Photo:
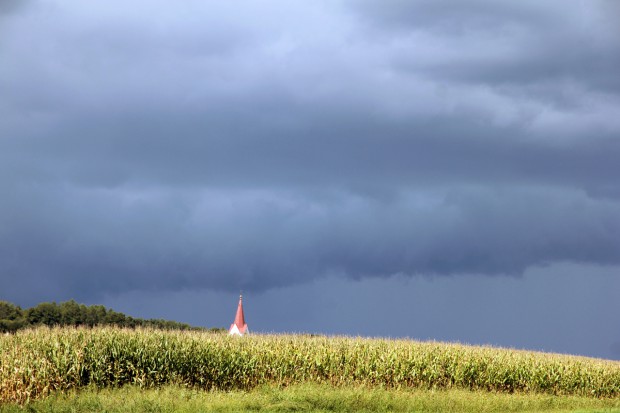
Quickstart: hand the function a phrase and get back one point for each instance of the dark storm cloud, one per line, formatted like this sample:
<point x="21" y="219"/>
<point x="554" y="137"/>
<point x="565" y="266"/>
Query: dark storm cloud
<point x="504" y="43"/>
<point x="336" y="149"/>
<point x="452" y="17"/>
<point x="101" y="241"/>
<point x="209" y="147"/>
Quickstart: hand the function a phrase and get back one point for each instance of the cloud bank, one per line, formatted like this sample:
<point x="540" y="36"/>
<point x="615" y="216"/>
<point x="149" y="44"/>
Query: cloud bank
<point x="157" y="146"/>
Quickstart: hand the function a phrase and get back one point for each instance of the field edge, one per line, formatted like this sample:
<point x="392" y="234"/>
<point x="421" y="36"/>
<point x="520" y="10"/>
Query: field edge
<point x="307" y="397"/>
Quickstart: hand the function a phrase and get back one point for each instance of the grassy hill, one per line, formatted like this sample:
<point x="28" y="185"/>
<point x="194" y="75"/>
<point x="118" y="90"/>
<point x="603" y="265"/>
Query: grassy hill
<point x="38" y="362"/>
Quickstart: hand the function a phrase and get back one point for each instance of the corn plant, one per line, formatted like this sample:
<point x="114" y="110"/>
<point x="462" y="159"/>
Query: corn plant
<point x="34" y="363"/>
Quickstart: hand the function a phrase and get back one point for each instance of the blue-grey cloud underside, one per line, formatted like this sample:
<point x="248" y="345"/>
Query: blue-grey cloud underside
<point x="206" y="147"/>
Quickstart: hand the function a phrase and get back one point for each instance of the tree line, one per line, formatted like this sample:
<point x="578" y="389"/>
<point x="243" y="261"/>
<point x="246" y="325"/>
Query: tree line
<point x="70" y="313"/>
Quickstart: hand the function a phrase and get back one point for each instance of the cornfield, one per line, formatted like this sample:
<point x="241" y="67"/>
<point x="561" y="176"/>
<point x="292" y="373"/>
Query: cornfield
<point x="34" y="363"/>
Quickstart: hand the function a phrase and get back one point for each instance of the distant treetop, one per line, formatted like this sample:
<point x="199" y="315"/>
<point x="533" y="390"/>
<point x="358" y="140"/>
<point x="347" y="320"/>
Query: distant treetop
<point x="70" y="313"/>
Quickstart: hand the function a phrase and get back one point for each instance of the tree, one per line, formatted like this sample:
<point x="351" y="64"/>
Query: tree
<point x="10" y="311"/>
<point x="44" y="313"/>
<point x="72" y="313"/>
<point x="114" y="318"/>
<point x="95" y="315"/>
<point x="11" y="317"/>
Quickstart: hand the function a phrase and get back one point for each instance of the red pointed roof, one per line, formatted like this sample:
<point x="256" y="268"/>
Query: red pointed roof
<point x="239" y="319"/>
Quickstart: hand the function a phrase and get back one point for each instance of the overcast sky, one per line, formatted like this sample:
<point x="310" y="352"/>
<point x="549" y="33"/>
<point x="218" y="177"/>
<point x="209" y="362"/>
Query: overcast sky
<point x="434" y="169"/>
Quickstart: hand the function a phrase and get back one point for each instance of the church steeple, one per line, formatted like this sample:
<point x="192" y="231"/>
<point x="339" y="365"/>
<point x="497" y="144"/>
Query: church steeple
<point x="239" y="327"/>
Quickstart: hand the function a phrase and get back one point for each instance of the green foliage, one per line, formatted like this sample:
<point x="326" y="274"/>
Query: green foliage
<point x="95" y="315"/>
<point x="307" y="398"/>
<point x="70" y="313"/>
<point x="11" y="317"/>
<point x="10" y="311"/>
<point x="11" y="326"/>
<point x="34" y="363"/>
<point x="44" y="313"/>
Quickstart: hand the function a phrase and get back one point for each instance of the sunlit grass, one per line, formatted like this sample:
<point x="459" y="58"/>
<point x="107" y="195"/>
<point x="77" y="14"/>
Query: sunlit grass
<point x="307" y="398"/>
